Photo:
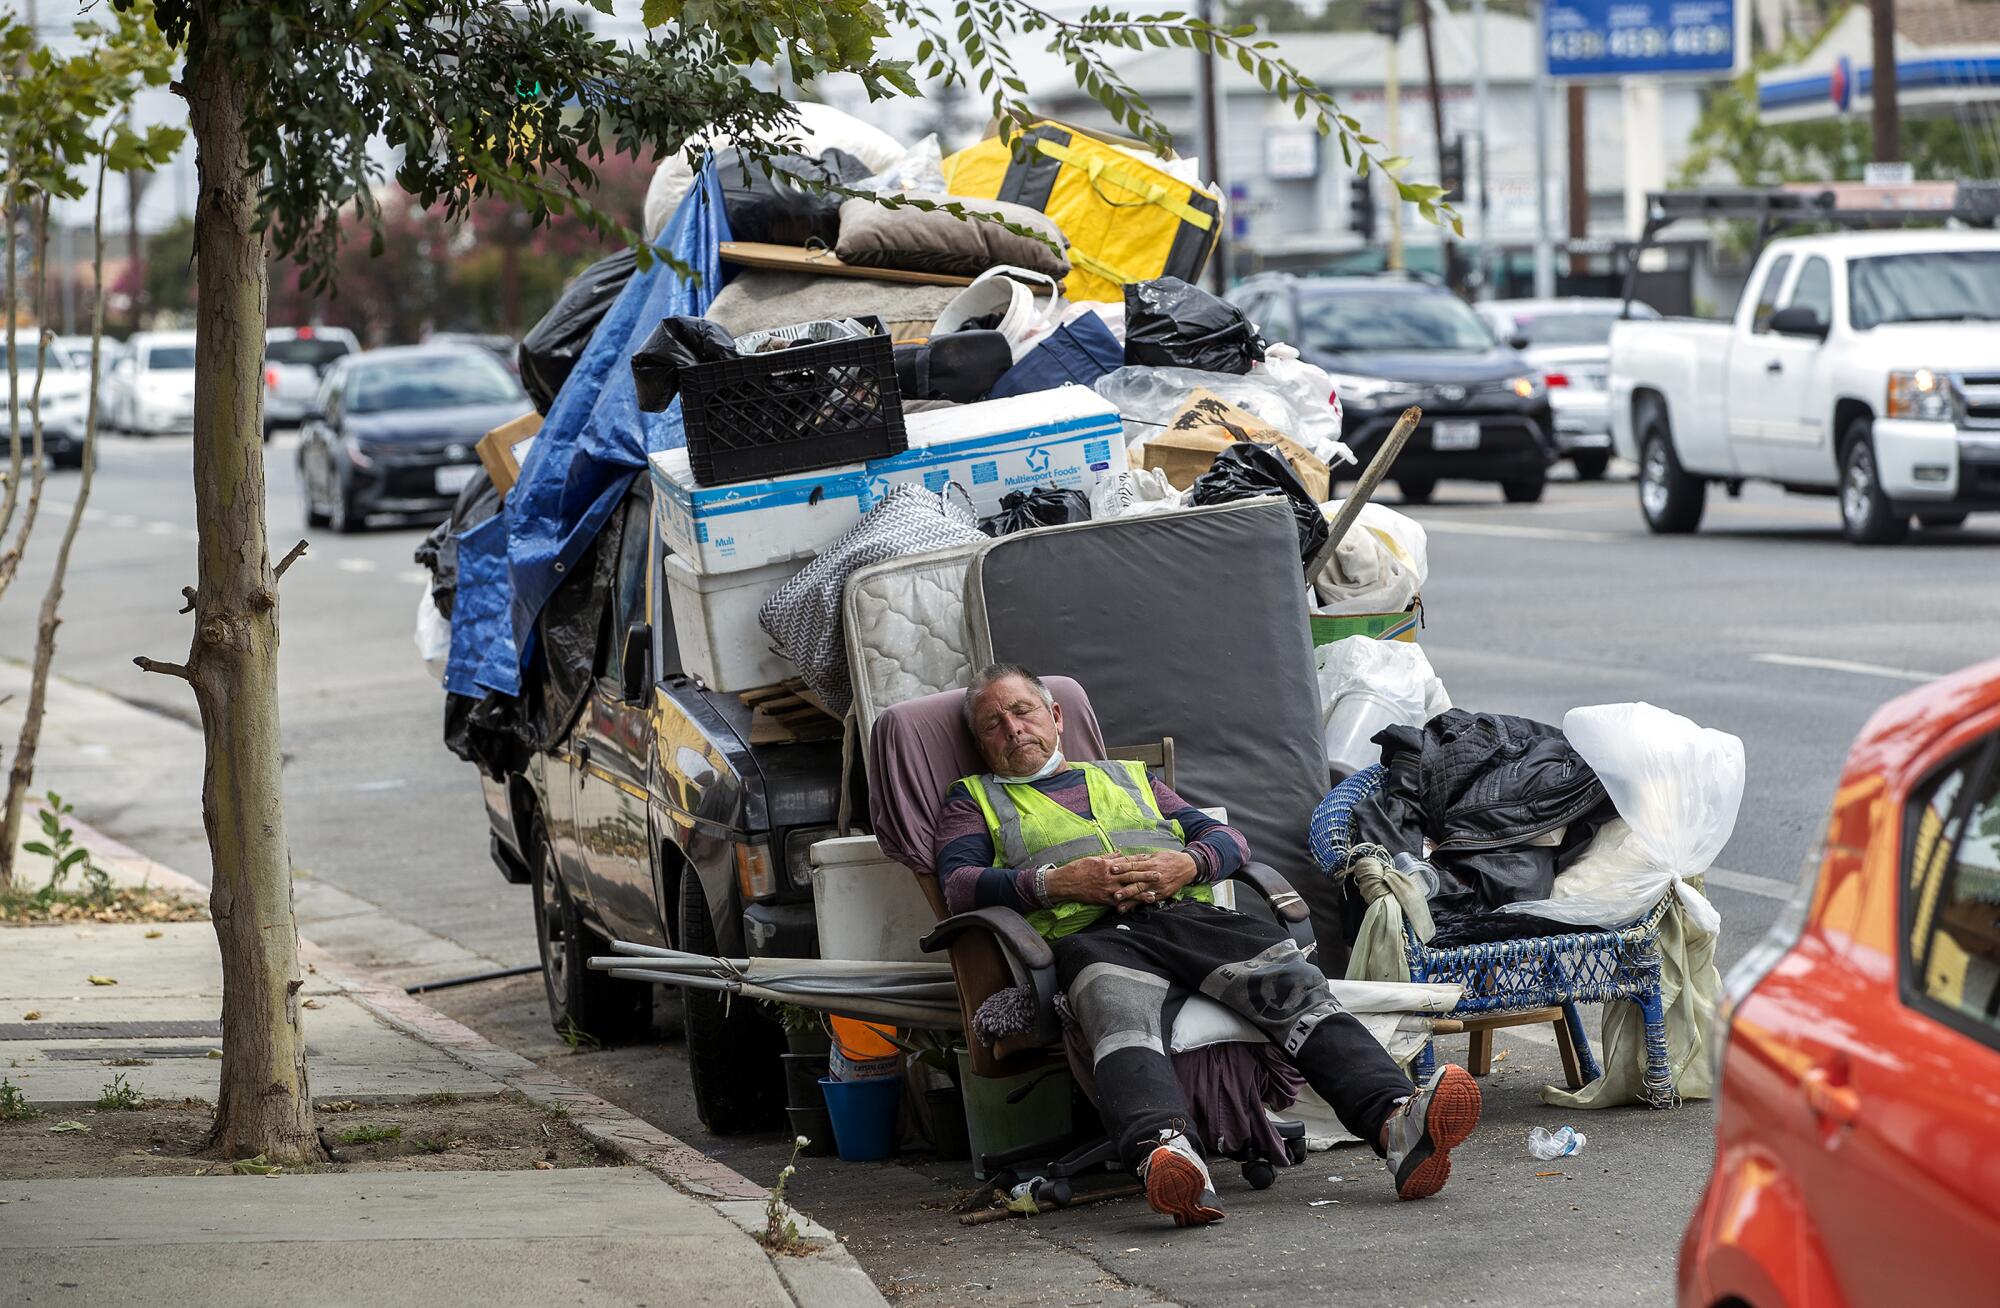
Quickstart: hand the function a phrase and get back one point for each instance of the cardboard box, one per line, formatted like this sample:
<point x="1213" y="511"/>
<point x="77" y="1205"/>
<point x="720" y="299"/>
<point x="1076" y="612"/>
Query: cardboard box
<point x="753" y="524"/>
<point x="715" y="623"/>
<point x="1207" y="425"/>
<point x="502" y="450"/>
<point x="1070" y="438"/>
<point x="1328" y="628"/>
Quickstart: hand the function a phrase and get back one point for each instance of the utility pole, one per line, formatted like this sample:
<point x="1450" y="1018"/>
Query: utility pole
<point x="1391" y="95"/>
<point x="1211" y="149"/>
<point x="1545" y="255"/>
<point x="135" y="250"/>
<point x="1887" y="119"/>
<point x="1579" y="179"/>
<point x="1447" y="259"/>
<point x="1479" y="103"/>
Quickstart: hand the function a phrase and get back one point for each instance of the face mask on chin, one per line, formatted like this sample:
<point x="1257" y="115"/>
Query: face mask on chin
<point x="1048" y="769"/>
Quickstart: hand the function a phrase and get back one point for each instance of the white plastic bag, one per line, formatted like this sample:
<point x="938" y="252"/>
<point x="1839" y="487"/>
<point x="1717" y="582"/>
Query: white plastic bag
<point x="433" y="633"/>
<point x="920" y="169"/>
<point x="1380" y="567"/>
<point x="1302" y="380"/>
<point x="1367" y="684"/>
<point x="1677" y="786"/>
<point x="1138" y="490"/>
<point x="1148" y="398"/>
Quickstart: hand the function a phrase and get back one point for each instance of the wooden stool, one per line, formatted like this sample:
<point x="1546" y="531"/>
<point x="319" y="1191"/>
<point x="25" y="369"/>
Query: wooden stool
<point x="1479" y="1060"/>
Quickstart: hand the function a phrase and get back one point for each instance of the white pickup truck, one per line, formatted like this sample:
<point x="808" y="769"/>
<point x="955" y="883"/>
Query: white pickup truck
<point x="1859" y="364"/>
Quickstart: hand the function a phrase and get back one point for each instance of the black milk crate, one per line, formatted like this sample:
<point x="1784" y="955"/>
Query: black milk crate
<point x="812" y="406"/>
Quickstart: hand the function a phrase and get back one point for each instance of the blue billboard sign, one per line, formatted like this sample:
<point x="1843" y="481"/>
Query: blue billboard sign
<point x="1639" y="38"/>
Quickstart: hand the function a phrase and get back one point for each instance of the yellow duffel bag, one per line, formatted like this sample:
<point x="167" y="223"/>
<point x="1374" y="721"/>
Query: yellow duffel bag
<point x="1127" y="221"/>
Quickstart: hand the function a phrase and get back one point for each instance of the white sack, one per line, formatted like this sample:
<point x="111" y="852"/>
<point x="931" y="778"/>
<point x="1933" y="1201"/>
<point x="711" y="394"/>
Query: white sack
<point x="433" y="633"/>
<point x="1678" y="787"/>
<point x="1137" y="490"/>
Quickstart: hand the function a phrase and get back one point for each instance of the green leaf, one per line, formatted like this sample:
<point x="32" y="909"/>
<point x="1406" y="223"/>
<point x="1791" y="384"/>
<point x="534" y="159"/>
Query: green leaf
<point x="37" y="847"/>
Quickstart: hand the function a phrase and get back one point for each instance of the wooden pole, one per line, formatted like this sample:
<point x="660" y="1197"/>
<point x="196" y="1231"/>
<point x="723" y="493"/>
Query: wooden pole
<point x="1371" y="477"/>
<point x="1887" y="121"/>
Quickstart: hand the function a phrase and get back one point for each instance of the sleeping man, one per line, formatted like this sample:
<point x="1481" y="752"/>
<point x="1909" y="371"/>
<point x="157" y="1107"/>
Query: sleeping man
<point x="1115" y="870"/>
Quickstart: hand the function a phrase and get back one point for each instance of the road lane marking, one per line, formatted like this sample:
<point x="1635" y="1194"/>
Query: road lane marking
<point x="1845" y="665"/>
<point x="124" y="520"/>
<point x="1750" y="883"/>
<point x="162" y="529"/>
<point x="1456" y="527"/>
<point x="355" y="565"/>
<point x="394" y="783"/>
<point x="415" y="576"/>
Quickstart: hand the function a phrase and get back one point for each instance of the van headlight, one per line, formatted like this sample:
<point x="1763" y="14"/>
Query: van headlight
<point x="1920" y="393"/>
<point x="798" y="853"/>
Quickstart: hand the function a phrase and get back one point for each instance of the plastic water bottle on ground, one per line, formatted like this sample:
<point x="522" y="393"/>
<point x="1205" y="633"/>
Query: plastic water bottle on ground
<point x="1546" y="1144"/>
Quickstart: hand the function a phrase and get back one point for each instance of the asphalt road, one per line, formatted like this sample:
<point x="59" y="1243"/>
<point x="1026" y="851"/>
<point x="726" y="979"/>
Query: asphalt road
<point x="1766" y="624"/>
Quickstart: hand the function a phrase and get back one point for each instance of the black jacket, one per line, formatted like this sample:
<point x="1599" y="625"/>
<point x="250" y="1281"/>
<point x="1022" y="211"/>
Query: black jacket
<point x="1483" y="787"/>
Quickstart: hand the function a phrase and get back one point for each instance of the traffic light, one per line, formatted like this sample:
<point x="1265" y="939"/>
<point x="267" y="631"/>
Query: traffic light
<point x="1451" y="170"/>
<point x="1361" y="207"/>
<point x="1384" y="17"/>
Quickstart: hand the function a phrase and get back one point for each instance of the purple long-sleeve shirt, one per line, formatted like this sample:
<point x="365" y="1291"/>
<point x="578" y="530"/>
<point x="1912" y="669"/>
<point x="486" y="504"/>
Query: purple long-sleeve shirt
<point x="965" y="857"/>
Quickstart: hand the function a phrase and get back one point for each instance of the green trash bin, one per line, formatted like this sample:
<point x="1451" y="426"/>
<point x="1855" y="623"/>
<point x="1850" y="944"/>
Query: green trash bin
<point x="996" y="1125"/>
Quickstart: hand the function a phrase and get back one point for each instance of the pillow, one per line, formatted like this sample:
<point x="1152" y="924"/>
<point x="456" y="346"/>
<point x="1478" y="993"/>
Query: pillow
<point x="917" y="240"/>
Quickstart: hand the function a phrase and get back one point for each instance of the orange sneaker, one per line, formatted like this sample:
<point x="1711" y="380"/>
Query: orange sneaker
<point x="1177" y="1182"/>
<point x="1427" y="1127"/>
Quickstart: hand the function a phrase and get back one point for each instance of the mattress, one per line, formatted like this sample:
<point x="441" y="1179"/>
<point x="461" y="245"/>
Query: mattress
<point x="1190" y="625"/>
<point x="906" y="630"/>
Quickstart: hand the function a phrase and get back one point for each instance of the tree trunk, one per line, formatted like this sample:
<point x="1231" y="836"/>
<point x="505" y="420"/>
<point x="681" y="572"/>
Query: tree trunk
<point x="264" y="1106"/>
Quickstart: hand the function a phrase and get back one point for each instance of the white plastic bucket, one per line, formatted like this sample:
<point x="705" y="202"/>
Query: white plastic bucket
<point x="869" y="907"/>
<point x="1350" y="729"/>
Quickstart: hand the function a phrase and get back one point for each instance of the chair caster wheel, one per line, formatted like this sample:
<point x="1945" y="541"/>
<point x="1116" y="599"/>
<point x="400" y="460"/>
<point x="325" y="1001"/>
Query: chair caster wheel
<point x="1053" y="1194"/>
<point x="1259" y="1174"/>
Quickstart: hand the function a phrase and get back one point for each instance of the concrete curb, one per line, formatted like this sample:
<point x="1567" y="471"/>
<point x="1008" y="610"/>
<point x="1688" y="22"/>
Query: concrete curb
<point x="828" y="1275"/>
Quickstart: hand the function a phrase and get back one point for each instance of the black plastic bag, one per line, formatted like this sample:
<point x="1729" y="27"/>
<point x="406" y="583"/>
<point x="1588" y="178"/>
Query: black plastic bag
<point x="1246" y="470"/>
<point x="1042" y="506"/>
<point x="1171" y="324"/>
<point x="552" y="347"/>
<point x="675" y="344"/>
<point x="764" y="208"/>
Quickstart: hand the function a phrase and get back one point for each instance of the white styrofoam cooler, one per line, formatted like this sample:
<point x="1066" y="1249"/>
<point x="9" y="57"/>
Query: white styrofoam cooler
<point x="868" y="906"/>
<point x="753" y="524"/>
<point x="1069" y="437"/>
<point x="715" y="621"/>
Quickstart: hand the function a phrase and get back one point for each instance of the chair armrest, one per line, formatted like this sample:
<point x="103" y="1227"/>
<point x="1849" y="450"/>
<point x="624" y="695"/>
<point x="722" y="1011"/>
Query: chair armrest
<point x="1023" y="944"/>
<point x="992" y="948"/>
<point x="1287" y="903"/>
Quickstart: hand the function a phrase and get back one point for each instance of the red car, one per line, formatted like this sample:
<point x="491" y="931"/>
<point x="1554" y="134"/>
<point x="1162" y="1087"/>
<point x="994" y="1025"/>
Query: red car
<point x="1857" y="1155"/>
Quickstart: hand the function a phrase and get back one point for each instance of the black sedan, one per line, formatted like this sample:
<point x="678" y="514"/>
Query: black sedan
<point x="394" y="431"/>
<point x="1390" y="344"/>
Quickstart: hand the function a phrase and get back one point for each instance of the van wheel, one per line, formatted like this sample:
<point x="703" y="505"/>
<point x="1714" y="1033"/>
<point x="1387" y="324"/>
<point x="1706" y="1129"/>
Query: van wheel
<point x="1865" y="512"/>
<point x="1591" y="464"/>
<point x="583" y="1005"/>
<point x="1525" y="490"/>
<point x="1670" y="500"/>
<point x="1416" y="490"/>
<point x="733" y="1051"/>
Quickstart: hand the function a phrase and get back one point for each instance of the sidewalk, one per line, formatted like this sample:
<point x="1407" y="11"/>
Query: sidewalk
<point x="670" y="1226"/>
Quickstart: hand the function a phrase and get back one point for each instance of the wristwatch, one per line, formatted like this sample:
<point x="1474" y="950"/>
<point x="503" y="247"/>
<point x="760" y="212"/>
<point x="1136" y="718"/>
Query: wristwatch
<point x="1042" y="884"/>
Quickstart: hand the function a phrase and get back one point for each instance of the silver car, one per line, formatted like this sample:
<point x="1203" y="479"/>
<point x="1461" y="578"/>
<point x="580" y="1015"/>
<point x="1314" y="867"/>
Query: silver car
<point x="1569" y="343"/>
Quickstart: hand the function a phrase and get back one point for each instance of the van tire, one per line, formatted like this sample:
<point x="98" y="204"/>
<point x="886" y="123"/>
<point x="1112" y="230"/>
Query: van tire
<point x="1865" y="512"/>
<point x="732" y="1049"/>
<point x="583" y="1005"/>
<point x="1670" y="499"/>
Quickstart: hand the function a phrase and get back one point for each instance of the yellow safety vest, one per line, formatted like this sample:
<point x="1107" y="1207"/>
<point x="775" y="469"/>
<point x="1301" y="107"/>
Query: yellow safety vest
<point x="1030" y="829"/>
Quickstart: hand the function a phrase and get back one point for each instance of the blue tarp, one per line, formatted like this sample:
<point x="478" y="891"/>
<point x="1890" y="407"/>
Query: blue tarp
<point x="592" y="443"/>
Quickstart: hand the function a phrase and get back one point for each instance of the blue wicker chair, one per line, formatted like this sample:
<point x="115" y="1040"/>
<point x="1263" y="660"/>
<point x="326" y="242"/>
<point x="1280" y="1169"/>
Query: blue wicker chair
<point x="1537" y="972"/>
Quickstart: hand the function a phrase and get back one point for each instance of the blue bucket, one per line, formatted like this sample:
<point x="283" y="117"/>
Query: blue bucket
<point x="864" y="1116"/>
